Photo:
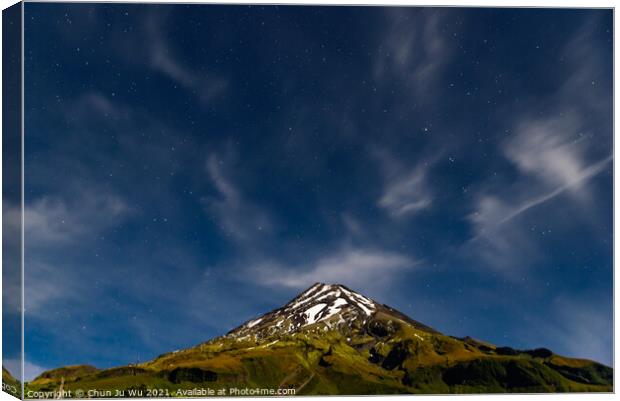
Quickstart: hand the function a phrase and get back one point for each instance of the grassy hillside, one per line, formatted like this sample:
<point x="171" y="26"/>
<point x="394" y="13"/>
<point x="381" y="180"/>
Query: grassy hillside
<point x="386" y="356"/>
<point x="10" y="384"/>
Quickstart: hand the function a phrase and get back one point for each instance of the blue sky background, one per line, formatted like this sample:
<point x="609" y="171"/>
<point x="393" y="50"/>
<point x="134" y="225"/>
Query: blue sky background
<point x="190" y="167"/>
<point x="11" y="189"/>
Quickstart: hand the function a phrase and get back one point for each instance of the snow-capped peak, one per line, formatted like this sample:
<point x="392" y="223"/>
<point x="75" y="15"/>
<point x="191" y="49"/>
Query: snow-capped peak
<point x="333" y="297"/>
<point x="333" y="305"/>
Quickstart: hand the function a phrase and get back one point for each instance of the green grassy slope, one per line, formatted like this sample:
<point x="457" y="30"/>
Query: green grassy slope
<point x="386" y="356"/>
<point x="10" y="384"/>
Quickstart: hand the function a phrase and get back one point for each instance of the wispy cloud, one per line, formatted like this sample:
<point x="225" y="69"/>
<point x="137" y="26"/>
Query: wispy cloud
<point x="236" y="215"/>
<point x="551" y="161"/>
<point x="413" y="49"/>
<point x="550" y="165"/>
<point x="52" y="223"/>
<point x="553" y="156"/>
<point x="500" y="247"/>
<point x="405" y="190"/>
<point x="94" y="106"/>
<point x="46" y="284"/>
<point x="359" y="267"/>
<point x="50" y="220"/>
<point x="551" y="152"/>
<point x="352" y="225"/>
<point x="204" y="85"/>
<point x="406" y="195"/>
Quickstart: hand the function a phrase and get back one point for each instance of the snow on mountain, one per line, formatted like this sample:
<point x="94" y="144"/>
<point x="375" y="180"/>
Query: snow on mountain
<point x="332" y="305"/>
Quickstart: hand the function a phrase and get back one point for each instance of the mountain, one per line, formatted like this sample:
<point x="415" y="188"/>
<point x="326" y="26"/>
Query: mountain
<point x="332" y="340"/>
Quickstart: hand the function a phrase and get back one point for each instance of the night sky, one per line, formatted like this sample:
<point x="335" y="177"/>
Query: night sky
<point x="191" y="167"/>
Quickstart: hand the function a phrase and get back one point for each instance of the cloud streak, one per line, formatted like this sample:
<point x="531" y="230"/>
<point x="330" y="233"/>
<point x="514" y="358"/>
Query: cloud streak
<point x="50" y="220"/>
<point x="549" y="168"/>
<point x="52" y="223"/>
<point x="406" y="195"/>
<point x="237" y="217"/>
<point x="405" y="191"/>
<point x="207" y="86"/>
<point x="549" y="162"/>
<point x="413" y="49"/>
<point x="359" y="267"/>
<point x="583" y="175"/>
<point x="553" y="156"/>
